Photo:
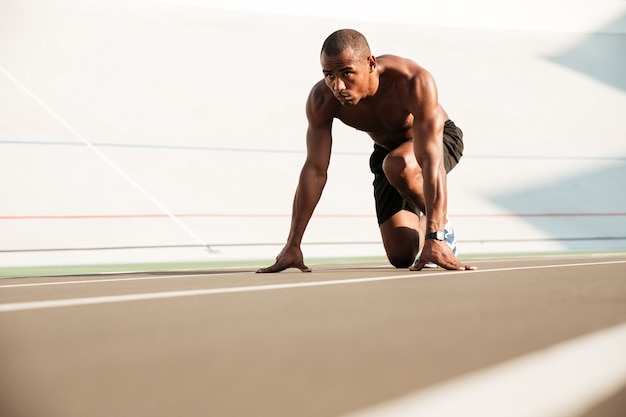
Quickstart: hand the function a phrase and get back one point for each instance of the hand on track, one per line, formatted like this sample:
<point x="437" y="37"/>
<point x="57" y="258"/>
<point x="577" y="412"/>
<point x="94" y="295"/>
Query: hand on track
<point x="287" y="258"/>
<point x="439" y="253"/>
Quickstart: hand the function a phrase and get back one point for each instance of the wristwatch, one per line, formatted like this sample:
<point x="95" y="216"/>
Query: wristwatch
<point x="438" y="235"/>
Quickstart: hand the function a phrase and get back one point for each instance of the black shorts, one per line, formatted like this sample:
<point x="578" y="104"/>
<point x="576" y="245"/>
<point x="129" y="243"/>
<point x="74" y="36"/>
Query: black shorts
<point x="388" y="200"/>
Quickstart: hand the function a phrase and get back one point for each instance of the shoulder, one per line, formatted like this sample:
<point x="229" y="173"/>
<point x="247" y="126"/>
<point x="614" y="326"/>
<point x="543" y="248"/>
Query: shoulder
<point x="403" y="71"/>
<point x="398" y="67"/>
<point x="413" y="82"/>
<point x="321" y="105"/>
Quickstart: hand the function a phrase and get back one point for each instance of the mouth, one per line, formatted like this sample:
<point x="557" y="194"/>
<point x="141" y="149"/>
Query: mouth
<point x="343" y="99"/>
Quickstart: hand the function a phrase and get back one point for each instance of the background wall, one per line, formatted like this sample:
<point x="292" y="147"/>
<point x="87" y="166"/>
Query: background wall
<point x="145" y="131"/>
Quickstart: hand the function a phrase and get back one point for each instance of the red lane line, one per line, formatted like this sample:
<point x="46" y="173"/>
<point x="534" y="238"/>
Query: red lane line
<point x="241" y="215"/>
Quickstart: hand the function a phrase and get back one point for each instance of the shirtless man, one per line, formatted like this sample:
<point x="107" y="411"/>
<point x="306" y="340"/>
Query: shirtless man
<point x="395" y="102"/>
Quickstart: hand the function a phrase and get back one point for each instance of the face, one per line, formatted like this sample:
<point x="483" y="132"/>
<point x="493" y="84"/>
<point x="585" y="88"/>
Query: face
<point x="348" y="76"/>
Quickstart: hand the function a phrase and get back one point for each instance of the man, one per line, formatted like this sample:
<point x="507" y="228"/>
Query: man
<point x="394" y="100"/>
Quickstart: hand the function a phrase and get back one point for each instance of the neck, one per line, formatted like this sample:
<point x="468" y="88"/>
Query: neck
<point x="374" y="84"/>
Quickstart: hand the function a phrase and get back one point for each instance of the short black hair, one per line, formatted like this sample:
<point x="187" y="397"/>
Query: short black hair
<point x="343" y="39"/>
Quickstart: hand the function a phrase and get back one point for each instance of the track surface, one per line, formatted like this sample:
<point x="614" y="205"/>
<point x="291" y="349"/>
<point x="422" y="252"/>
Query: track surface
<point x="339" y="340"/>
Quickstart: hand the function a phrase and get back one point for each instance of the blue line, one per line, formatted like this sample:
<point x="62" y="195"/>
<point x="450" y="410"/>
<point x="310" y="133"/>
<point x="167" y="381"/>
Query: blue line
<point x="550" y="157"/>
<point x="294" y="151"/>
<point x="171" y="147"/>
<point x="138" y="146"/>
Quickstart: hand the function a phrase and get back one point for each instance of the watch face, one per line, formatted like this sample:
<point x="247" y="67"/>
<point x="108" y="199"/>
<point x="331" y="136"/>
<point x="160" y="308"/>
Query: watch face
<point x="440" y="236"/>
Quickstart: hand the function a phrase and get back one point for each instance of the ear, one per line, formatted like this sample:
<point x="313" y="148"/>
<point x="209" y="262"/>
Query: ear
<point x="371" y="62"/>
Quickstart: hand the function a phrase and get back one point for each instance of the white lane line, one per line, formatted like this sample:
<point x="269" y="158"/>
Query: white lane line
<point x="33" y="305"/>
<point x="96" y="281"/>
<point x="564" y="380"/>
<point x="70" y="302"/>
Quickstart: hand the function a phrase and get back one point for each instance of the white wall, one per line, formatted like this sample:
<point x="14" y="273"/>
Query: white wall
<point x="546" y="15"/>
<point x="114" y="116"/>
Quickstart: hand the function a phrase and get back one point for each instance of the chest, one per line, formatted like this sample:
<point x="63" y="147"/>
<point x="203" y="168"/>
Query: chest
<point x="380" y="117"/>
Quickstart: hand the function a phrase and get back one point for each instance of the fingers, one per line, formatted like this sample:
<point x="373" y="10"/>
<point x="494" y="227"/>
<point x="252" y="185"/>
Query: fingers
<point x="278" y="268"/>
<point x="461" y="267"/>
<point x="269" y="269"/>
<point x="445" y="264"/>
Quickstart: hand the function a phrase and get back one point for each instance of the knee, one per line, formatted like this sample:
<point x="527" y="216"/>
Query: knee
<point x="400" y="170"/>
<point x="401" y="252"/>
<point x="401" y="261"/>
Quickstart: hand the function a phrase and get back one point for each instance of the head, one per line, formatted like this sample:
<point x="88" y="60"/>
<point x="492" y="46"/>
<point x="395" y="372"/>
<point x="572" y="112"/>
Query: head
<point x="348" y="66"/>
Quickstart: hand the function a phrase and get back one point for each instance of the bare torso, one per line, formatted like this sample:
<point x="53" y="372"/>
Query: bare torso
<point x="384" y="116"/>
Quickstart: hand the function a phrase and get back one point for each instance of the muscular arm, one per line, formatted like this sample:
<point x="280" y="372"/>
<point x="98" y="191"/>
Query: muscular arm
<point x="312" y="179"/>
<point x="311" y="183"/>
<point x="428" y="121"/>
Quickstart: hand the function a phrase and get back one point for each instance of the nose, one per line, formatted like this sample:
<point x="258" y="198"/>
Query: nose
<point x="339" y="85"/>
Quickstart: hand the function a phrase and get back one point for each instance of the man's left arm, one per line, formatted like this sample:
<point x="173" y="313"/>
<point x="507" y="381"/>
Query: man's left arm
<point x="428" y="122"/>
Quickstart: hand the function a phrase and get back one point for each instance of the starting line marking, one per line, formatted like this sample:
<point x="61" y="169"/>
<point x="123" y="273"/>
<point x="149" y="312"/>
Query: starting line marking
<point x="563" y="380"/>
<point x="71" y="302"/>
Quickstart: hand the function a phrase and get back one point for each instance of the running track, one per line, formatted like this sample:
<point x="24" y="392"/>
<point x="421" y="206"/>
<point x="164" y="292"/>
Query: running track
<point x="524" y="337"/>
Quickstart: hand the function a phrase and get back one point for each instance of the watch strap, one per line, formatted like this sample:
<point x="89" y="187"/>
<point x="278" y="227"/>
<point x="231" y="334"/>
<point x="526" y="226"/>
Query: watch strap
<point x="438" y="235"/>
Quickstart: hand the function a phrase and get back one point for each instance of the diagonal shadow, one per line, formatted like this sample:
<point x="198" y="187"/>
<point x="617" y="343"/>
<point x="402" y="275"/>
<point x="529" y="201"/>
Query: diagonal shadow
<point x="589" y="206"/>
<point x="600" y="55"/>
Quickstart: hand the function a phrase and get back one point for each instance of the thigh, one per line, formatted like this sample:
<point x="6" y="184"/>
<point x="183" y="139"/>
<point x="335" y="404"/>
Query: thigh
<point x="401" y="238"/>
<point x="388" y="199"/>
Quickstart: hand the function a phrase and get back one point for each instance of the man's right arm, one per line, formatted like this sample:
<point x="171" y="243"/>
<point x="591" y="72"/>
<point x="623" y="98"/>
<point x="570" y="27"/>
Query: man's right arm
<point x="311" y="183"/>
